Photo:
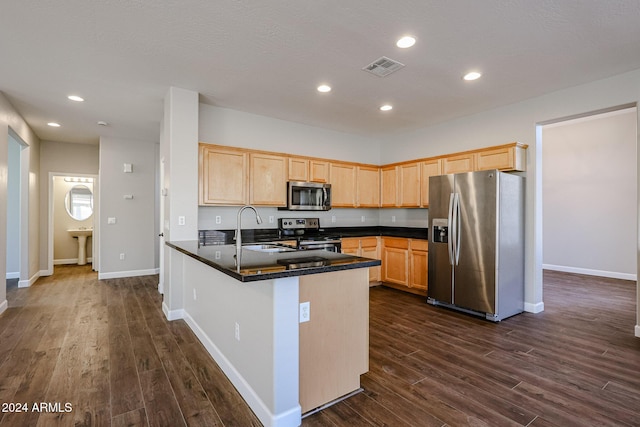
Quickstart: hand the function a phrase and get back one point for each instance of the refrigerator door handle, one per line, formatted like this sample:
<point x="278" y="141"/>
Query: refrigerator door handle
<point x="458" y="231"/>
<point x="451" y="236"/>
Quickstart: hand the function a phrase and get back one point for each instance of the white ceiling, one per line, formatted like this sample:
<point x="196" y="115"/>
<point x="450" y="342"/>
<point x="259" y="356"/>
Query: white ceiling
<point x="267" y="57"/>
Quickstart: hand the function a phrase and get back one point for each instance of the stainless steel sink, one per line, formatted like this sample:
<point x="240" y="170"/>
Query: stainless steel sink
<point x="269" y="247"/>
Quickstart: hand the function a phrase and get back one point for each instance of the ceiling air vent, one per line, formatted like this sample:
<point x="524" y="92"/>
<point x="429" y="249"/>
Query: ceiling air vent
<point x="383" y="66"/>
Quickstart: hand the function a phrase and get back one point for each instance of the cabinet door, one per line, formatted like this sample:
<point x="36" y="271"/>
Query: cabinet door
<point x="395" y="261"/>
<point x="369" y="248"/>
<point x="222" y="176"/>
<point x="298" y="169"/>
<point x="343" y="185"/>
<point x="318" y="171"/>
<point x="429" y="168"/>
<point x="503" y="158"/>
<point x="268" y="180"/>
<point x="459" y="164"/>
<point x="368" y="186"/>
<point x="409" y="185"/>
<point x="418" y="263"/>
<point x="389" y="187"/>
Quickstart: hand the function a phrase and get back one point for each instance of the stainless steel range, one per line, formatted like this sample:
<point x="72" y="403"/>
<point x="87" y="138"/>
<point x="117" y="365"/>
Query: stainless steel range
<point x="307" y="233"/>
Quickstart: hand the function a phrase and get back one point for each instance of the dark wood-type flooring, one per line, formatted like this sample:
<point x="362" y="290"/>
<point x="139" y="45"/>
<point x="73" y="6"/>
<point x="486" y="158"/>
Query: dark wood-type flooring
<point x="105" y="348"/>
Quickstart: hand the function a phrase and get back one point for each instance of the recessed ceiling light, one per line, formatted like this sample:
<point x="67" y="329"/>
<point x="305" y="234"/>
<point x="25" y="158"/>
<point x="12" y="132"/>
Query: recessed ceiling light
<point x="474" y="75"/>
<point x="54" y="124"/>
<point x="405" y="42"/>
<point x="386" y="107"/>
<point x="75" y="98"/>
<point x="324" y="88"/>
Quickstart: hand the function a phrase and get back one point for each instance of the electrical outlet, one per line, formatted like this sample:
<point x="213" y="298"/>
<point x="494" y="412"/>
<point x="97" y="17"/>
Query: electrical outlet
<point x="393" y="218"/>
<point x="272" y="219"/>
<point x="305" y="313"/>
<point x="121" y="256"/>
<point x="181" y="220"/>
<point x="218" y="254"/>
<point x="237" y="332"/>
<point x="218" y="219"/>
<point x="111" y="220"/>
<point x="362" y="218"/>
<point x="333" y="218"/>
<point x="194" y="295"/>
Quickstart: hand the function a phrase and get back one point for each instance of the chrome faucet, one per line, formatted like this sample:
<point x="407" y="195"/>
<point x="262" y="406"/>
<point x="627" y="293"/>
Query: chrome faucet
<point x="238" y="236"/>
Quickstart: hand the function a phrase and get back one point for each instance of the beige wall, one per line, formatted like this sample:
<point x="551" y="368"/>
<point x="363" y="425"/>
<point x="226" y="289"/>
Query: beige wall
<point x="10" y="119"/>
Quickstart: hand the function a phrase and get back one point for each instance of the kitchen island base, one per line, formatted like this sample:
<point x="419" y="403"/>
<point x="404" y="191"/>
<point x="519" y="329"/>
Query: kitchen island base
<point x="252" y="331"/>
<point x="334" y="343"/>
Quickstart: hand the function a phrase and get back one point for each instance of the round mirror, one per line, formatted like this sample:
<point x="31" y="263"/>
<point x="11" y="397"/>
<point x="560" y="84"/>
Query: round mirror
<point x="79" y="202"/>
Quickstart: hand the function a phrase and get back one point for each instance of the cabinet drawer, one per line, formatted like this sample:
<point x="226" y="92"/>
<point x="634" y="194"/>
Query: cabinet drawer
<point x="396" y="242"/>
<point x="350" y="243"/>
<point x="419" y="245"/>
<point x="369" y="242"/>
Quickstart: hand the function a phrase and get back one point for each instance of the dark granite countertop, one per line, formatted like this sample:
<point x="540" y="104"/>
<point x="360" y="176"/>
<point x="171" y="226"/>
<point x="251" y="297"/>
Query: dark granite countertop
<point x="256" y="265"/>
<point x="225" y="237"/>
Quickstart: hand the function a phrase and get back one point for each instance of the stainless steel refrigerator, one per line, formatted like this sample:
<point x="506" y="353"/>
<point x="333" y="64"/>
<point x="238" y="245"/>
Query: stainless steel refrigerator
<point x="476" y="247"/>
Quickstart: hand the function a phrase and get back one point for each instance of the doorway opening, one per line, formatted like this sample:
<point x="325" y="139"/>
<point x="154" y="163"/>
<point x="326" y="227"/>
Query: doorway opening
<point x="587" y="215"/>
<point x="17" y="231"/>
<point x="73" y="224"/>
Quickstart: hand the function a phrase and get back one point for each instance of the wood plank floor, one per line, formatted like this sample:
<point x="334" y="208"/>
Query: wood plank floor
<point x="105" y="348"/>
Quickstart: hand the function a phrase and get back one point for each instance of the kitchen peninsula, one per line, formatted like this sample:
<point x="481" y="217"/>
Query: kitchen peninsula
<point x="289" y="328"/>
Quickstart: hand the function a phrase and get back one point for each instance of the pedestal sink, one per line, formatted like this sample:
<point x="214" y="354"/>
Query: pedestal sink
<point x="81" y="234"/>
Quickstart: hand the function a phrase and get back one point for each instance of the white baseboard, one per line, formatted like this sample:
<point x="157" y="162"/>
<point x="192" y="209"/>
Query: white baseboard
<point x="4" y="305"/>
<point x="69" y="261"/>
<point x="29" y="282"/>
<point x="14" y="275"/>
<point x="130" y="273"/>
<point x="590" y="272"/>
<point x="530" y="307"/>
<point x="290" y="417"/>
<point x="172" y="314"/>
<point x="637" y="330"/>
<point x="44" y="273"/>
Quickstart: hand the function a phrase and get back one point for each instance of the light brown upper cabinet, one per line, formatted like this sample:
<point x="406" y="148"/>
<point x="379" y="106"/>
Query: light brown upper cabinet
<point x="503" y="158"/>
<point x="368" y="179"/>
<point x="343" y="185"/>
<point x="459" y="164"/>
<point x="298" y="169"/>
<point x="409" y="185"/>
<point x="388" y="187"/>
<point x="308" y="170"/>
<point x="267" y="180"/>
<point x="230" y="176"/>
<point x="223" y="176"/>
<point x="318" y="171"/>
<point x="428" y="168"/>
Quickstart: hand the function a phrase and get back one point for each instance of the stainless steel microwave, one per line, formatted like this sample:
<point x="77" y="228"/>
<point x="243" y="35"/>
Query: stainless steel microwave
<point x="308" y="196"/>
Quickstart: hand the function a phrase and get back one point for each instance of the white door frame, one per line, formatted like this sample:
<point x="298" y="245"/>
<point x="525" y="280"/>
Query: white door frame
<point x="96" y="223"/>
<point x="161" y="240"/>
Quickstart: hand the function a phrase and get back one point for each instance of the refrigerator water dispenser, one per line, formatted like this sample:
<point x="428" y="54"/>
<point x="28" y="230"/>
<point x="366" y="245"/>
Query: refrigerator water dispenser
<point x="440" y="231"/>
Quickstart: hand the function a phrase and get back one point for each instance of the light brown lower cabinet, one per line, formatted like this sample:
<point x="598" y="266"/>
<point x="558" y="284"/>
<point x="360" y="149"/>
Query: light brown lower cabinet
<point x="418" y="264"/>
<point x="405" y="264"/>
<point x="334" y="343"/>
<point x="367" y="247"/>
